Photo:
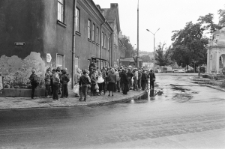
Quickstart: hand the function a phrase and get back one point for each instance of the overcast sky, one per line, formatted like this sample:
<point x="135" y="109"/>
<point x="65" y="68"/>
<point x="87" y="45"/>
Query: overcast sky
<point x="168" y="15"/>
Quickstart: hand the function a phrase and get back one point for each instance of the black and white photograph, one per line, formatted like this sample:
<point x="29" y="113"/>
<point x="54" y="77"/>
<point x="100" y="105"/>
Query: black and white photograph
<point x="112" y="74"/>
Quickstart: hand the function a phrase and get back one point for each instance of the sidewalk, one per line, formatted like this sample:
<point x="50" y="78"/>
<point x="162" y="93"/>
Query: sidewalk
<point x="215" y="84"/>
<point x="7" y="103"/>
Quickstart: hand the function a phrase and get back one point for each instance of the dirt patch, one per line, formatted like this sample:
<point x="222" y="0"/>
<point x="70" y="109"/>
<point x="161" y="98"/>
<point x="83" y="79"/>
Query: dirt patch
<point x="45" y="101"/>
<point x="182" y="97"/>
<point x="180" y="89"/>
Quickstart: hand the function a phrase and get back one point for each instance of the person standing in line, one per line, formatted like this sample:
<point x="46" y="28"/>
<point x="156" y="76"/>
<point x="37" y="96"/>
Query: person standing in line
<point x="152" y="79"/>
<point x="48" y="76"/>
<point x="139" y="79"/>
<point x="117" y="80"/>
<point x="64" y="81"/>
<point x="104" y="75"/>
<point x="94" y="79"/>
<point x="59" y="72"/>
<point x="100" y="82"/>
<point x="111" y="82"/>
<point x="84" y="82"/>
<point x="135" y="85"/>
<point x="124" y="82"/>
<point x="34" y="82"/>
<point x="129" y="75"/>
<point x="55" y="83"/>
<point x="144" y="80"/>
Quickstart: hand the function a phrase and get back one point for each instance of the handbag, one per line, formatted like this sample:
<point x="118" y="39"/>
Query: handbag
<point x="100" y="79"/>
<point x="96" y="87"/>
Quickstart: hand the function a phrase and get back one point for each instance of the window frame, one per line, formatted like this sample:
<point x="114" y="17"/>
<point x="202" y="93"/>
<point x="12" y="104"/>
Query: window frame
<point x="93" y="32"/>
<point x="61" y="7"/>
<point x="89" y="29"/>
<point x="77" y="19"/>
<point x="57" y="60"/>
<point x="97" y="35"/>
<point x="102" y="39"/>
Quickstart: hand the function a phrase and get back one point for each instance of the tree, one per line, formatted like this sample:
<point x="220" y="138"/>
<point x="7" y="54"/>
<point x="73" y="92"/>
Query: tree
<point x="145" y="58"/>
<point x="189" y="45"/>
<point x="221" y="13"/>
<point x="162" y="57"/>
<point x="208" y="24"/>
<point x="129" y="48"/>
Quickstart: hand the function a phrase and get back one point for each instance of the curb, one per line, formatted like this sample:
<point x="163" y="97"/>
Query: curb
<point x="103" y="103"/>
<point x="207" y="85"/>
<point x="214" y="87"/>
<point x="123" y="100"/>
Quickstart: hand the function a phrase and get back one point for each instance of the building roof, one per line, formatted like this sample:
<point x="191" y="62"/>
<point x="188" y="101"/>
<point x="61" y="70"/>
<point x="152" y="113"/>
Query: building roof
<point x="111" y="14"/>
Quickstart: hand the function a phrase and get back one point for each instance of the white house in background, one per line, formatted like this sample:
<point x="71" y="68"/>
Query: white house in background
<point x="216" y="52"/>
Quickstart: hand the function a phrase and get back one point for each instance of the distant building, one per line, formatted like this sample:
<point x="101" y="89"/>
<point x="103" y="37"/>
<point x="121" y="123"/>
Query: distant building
<point x="130" y="62"/>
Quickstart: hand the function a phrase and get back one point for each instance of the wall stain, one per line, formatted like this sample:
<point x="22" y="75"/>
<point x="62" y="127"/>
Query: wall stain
<point x="16" y="71"/>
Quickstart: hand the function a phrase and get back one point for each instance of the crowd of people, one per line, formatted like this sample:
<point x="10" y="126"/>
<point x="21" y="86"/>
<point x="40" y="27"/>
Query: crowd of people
<point x="94" y="82"/>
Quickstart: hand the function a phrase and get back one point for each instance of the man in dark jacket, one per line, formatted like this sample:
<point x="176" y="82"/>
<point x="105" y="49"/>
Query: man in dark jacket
<point x="84" y="82"/>
<point x="34" y="83"/>
<point x="124" y="82"/>
<point x="152" y="79"/>
<point x="64" y="81"/>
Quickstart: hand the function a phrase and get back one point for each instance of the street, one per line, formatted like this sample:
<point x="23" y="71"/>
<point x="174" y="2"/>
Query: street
<point x="186" y="115"/>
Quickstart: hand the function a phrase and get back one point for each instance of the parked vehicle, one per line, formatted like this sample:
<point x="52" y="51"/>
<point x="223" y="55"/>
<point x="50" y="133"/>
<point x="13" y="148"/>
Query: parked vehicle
<point x="179" y="71"/>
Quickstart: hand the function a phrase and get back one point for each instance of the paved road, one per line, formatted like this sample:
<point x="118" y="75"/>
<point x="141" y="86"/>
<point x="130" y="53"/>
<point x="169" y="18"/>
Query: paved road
<point x="185" y="116"/>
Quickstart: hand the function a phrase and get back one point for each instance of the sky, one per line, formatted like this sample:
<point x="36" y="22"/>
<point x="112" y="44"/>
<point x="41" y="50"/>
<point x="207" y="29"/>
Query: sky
<point x="168" y="15"/>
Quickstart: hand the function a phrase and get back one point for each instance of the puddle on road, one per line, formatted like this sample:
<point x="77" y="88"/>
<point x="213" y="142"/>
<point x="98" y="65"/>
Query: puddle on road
<point x="184" y="94"/>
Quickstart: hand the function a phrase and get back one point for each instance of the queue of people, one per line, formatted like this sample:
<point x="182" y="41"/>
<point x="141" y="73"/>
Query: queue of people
<point x="94" y="82"/>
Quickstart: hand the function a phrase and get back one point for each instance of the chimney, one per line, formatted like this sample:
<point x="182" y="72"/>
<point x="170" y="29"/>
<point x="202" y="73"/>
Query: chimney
<point x="99" y="7"/>
<point x="113" y="5"/>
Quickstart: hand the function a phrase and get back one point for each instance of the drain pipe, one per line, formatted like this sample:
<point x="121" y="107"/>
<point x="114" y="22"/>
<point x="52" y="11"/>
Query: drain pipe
<point x="73" y="42"/>
<point x="101" y="41"/>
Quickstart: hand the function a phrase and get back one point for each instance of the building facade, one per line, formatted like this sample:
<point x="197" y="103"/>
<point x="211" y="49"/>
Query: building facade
<point x="216" y="53"/>
<point x="38" y="34"/>
<point x="112" y="16"/>
<point x="93" y="35"/>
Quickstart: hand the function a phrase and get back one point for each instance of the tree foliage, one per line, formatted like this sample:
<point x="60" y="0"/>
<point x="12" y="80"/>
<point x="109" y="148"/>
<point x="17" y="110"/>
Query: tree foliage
<point x="221" y="13"/>
<point x="162" y="56"/>
<point x="189" y="44"/>
<point x="129" y="48"/>
<point x="145" y="58"/>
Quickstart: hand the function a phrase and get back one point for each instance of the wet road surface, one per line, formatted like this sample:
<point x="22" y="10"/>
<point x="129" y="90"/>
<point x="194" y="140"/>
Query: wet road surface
<point x="184" y="116"/>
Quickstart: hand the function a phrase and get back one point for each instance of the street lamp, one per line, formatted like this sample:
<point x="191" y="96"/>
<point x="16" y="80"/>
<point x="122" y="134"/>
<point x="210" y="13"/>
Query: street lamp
<point x="154" y="43"/>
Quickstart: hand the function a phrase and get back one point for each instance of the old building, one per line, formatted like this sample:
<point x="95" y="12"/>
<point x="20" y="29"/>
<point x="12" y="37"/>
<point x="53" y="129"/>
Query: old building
<point x="112" y="16"/>
<point x="216" y="53"/>
<point x="37" y="34"/>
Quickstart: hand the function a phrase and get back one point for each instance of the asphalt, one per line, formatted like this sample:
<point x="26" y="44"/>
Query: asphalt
<point x="26" y="102"/>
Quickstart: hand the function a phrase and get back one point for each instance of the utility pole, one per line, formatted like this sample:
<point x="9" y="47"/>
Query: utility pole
<point x="138" y="35"/>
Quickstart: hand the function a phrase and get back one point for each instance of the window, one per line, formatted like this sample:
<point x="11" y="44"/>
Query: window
<point x="97" y="38"/>
<point x="61" y="10"/>
<point x="59" y="60"/>
<point x="105" y="37"/>
<point x="77" y="19"/>
<point x="102" y="40"/>
<point x="89" y="29"/>
<point x="109" y="43"/>
<point x="93" y="32"/>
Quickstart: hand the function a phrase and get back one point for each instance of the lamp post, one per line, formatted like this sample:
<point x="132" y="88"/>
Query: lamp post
<point x="154" y="43"/>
